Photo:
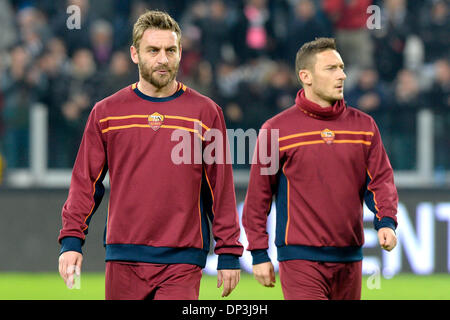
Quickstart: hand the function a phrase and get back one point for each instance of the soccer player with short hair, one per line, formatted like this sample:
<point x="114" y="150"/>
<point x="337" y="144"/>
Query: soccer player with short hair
<point x="157" y="234"/>
<point x="331" y="160"/>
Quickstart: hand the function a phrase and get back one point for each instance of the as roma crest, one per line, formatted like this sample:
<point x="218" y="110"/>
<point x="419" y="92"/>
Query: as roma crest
<point x="155" y="120"/>
<point x="327" y="136"/>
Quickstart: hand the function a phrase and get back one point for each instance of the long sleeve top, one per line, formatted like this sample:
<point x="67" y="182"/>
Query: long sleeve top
<point x="163" y="195"/>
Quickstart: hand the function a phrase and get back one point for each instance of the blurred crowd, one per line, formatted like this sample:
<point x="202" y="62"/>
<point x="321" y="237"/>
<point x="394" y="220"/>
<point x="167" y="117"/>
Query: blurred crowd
<point x="241" y="53"/>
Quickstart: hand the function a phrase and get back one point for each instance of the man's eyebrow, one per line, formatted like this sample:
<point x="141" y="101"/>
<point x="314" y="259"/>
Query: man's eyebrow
<point x="335" y="65"/>
<point x="156" y="47"/>
<point x="151" y="47"/>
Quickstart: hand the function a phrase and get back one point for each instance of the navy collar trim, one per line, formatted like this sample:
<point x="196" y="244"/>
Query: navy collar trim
<point x="181" y="89"/>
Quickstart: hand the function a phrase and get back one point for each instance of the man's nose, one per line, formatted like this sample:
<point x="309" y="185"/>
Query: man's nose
<point x="162" y="57"/>
<point x="342" y="75"/>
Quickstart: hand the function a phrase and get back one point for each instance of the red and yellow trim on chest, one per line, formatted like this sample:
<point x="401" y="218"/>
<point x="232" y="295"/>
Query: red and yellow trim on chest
<point x="325" y="136"/>
<point x="154" y="121"/>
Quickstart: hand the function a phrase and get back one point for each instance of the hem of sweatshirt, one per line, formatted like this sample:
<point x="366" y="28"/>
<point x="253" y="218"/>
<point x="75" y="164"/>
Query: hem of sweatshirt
<point x="162" y="255"/>
<point x="323" y="254"/>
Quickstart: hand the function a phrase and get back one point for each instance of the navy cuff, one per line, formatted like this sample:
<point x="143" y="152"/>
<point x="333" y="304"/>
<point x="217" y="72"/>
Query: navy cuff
<point x="385" y="222"/>
<point x="260" y="256"/>
<point x="71" y="244"/>
<point x="228" y="261"/>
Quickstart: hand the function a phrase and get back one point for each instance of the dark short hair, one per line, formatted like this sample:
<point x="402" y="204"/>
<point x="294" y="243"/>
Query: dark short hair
<point x="306" y="54"/>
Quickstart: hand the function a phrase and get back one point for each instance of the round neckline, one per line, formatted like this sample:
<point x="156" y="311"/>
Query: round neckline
<point x="180" y="90"/>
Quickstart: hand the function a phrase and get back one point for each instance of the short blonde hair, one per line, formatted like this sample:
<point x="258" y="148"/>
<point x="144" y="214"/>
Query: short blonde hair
<point x="154" y="19"/>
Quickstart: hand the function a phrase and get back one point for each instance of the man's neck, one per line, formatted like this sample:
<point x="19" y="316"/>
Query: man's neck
<point x="316" y="99"/>
<point x="152" y="91"/>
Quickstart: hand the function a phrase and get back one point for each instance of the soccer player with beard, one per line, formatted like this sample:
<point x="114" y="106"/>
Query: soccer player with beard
<point x="157" y="233"/>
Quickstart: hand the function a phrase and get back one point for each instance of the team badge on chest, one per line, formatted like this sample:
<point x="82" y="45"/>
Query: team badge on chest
<point x="155" y="120"/>
<point x="327" y="136"/>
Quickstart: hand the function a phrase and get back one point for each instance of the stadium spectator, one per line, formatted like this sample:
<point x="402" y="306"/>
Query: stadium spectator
<point x="121" y="24"/>
<point x="407" y="91"/>
<point x="192" y="54"/>
<point x="82" y="94"/>
<point x="407" y="99"/>
<point x="102" y="42"/>
<point x="369" y="94"/>
<point x="438" y="97"/>
<point x="390" y="39"/>
<point x="228" y="79"/>
<point x="120" y="74"/>
<point x="352" y="35"/>
<point x="55" y="66"/>
<point x="33" y="30"/>
<point x="215" y="32"/>
<point x="281" y="88"/>
<point x="202" y="79"/>
<point x="435" y="31"/>
<point x="253" y="33"/>
<point x="245" y="84"/>
<point x="21" y="86"/>
<point x="304" y="26"/>
<point x="9" y="32"/>
<point x="74" y="37"/>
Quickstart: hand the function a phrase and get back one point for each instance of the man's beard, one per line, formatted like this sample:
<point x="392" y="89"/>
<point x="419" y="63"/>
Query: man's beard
<point x="151" y="76"/>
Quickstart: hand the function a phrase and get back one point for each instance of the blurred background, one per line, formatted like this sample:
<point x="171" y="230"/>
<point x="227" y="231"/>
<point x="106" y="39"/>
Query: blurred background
<point x="240" y="53"/>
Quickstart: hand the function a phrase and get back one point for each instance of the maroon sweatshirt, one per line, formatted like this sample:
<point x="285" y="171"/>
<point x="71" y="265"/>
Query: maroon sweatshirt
<point x="158" y="210"/>
<point x="330" y="161"/>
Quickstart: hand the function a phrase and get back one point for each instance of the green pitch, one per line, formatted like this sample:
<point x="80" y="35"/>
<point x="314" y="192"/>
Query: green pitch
<point x="49" y="286"/>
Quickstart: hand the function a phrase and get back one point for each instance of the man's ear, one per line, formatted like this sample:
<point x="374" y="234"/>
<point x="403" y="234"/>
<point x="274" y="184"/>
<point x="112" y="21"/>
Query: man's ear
<point x="305" y="76"/>
<point x="134" y="54"/>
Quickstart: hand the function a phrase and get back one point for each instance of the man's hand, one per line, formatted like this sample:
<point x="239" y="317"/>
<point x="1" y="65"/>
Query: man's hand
<point x="264" y="273"/>
<point x="69" y="263"/>
<point x="230" y="278"/>
<point x="387" y="238"/>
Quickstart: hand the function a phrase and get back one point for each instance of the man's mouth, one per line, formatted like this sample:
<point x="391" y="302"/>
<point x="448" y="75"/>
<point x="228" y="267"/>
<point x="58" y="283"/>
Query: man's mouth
<point x="162" y="71"/>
